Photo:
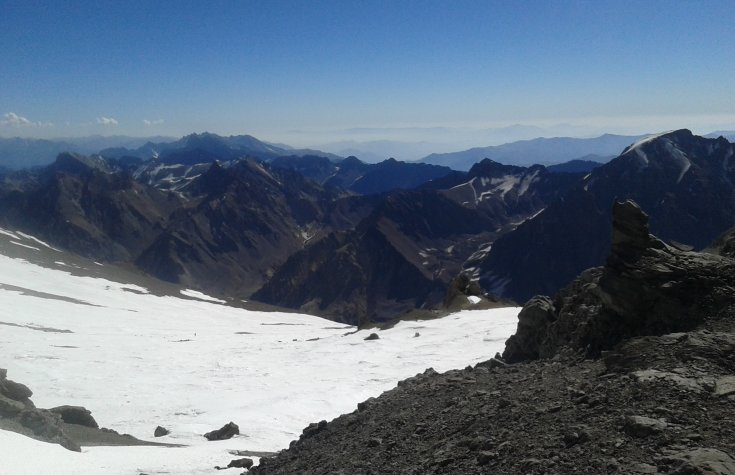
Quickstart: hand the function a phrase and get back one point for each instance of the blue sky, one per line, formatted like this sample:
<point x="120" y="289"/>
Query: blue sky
<point x="307" y="72"/>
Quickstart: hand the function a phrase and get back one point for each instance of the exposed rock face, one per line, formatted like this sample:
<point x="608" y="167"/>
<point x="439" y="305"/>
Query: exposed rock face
<point x="725" y="244"/>
<point x="75" y="415"/>
<point x="646" y="288"/>
<point x="685" y="183"/>
<point x="87" y="206"/>
<point x="160" y="431"/>
<point x="19" y="414"/>
<point x="225" y="432"/>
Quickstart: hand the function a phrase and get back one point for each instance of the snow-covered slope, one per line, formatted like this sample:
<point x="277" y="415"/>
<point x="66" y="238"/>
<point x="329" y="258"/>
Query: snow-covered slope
<point x="138" y="359"/>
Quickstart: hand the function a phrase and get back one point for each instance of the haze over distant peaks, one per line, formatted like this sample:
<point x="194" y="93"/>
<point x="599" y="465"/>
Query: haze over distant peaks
<point x="543" y="151"/>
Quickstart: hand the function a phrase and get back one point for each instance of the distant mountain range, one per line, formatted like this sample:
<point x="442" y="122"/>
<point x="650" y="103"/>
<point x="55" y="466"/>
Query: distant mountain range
<point x="354" y="241"/>
<point x="544" y="151"/>
<point x="361" y="242"/>
<point x="17" y="153"/>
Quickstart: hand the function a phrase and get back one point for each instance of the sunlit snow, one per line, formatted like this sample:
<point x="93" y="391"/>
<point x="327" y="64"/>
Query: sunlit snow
<point x="138" y="360"/>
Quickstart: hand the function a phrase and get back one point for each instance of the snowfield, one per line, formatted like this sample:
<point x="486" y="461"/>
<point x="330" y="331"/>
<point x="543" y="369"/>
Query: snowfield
<point x="138" y="360"/>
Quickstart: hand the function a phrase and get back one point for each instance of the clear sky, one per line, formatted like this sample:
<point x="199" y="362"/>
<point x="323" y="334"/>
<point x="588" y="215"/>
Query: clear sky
<point x="312" y="71"/>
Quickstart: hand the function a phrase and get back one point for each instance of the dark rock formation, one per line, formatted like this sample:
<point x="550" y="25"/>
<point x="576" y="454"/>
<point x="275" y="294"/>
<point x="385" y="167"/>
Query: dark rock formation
<point x="18" y="413"/>
<point x="245" y="463"/>
<point x="15" y="391"/>
<point x="646" y="288"/>
<point x="68" y="426"/>
<point x="160" y="431"/>
<point x="75" y="415"/>
<point x="227" y="431"/>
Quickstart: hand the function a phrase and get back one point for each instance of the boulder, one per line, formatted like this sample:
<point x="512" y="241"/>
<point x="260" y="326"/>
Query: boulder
<point x="227" y="431"/>
<point x="76" y="415"/>
<point x="372" y="336"/>
<point x="641" y="426"/>
<point x="13" y="390"/>
<point x="245" y="463"/>
<point x="10" y="407"/>
<point x="161" y="431"/>
<point x="533" y="323"/>
<point x="701" y="461"/>
<point x="725" y="386"/>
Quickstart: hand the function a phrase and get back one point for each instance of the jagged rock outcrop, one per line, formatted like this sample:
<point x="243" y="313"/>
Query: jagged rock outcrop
<point x="646" y="288"/>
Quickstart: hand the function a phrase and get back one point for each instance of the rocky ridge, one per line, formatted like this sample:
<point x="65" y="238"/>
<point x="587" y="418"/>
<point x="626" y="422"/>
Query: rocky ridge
<point x="604" y="383"/>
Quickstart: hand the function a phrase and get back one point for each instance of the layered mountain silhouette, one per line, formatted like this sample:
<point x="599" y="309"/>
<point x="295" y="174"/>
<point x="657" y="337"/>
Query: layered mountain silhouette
<point x="364" y="242"/>
<point x="207" y="147"/>
<point x="685" y="183"/>
<point x="541" y="150"/>
<point x="360" y="177"/>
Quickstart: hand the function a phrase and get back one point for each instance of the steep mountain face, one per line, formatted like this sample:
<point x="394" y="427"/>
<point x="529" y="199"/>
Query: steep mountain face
<point x="400" y="257"/>
<point x="541" y="150"/>
<point x="224" y="229"/>
<point x="88" y="206"/>
<point x="246" y="221"/>
<point x="683" y="182"/>
<point x="506" y="192"/>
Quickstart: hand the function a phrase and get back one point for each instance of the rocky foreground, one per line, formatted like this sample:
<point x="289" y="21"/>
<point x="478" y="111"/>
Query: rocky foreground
<point x="631" y="369"/>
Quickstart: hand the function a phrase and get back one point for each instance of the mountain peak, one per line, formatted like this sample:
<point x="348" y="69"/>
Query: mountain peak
<point x="77" y="164"/>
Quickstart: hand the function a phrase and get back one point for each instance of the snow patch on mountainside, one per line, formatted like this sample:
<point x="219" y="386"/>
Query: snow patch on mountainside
<point x="138" y="360"/>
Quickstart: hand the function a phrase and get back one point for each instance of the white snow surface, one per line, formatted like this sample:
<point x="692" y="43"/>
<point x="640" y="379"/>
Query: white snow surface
<point x="138" y="360"/>
<point x="201" y="296"/>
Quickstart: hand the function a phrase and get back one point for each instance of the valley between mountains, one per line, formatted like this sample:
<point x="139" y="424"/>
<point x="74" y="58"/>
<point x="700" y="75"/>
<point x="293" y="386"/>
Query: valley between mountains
<point x="211" y="279"/>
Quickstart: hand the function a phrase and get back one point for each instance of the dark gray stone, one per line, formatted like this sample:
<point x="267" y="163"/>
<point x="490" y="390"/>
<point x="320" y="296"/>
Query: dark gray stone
<point x="76" y="415"/>
<point x="641" y="426"/>
<point x="227" y="431"/>
<point x="245" y="463"/>
<point x="13" y="390"/>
